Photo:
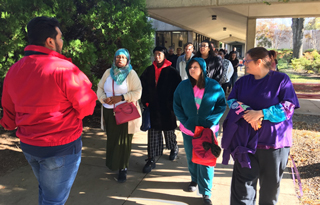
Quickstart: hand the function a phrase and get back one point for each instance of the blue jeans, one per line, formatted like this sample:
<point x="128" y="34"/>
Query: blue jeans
<point x="55" y="176"/>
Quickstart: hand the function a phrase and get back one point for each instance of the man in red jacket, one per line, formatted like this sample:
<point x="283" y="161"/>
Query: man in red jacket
<point x="45" y="96"/>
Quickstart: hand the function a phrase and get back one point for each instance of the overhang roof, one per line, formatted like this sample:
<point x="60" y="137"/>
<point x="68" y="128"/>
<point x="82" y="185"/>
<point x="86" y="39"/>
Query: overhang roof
<point x="196" y="15"/>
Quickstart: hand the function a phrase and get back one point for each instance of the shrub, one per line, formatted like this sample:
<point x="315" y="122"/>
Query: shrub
<point x="310" y="61"/>
<point x="309" y="50"/>
<point x="285" y="55"/>
<point x="296" y="64"/>
<point x="92" y="30"/>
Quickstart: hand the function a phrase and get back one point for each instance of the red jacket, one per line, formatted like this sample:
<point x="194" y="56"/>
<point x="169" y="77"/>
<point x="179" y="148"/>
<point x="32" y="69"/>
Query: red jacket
<point x="46" y="96"/>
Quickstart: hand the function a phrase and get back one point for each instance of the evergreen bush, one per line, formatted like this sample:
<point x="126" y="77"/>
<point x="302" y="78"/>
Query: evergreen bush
<point x="309" y="62"/>
<point x="92" y="30"/>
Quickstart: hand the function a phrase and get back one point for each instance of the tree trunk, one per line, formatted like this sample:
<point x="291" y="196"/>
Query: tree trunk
<point x="297" y="36"/>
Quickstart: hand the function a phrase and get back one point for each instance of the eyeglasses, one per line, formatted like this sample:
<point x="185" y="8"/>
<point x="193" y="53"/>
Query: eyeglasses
<point x="203" y="46"/>
<point x="121" y="57"/>
<point x="247" y="61"/>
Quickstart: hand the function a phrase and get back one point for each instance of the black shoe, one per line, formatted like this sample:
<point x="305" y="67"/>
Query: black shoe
<point x="122" y="176"/>
<point x="192" y="186"/>
<point x="151" y="164"/>
<point x="206" y="200"/>
<point x="174" y="152"/>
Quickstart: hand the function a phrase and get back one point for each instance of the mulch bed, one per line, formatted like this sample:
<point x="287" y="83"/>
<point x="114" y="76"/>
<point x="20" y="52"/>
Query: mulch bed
<point x="11" y="156"/>
<point x="306" y="154"/>
<point x="307" y="90"/>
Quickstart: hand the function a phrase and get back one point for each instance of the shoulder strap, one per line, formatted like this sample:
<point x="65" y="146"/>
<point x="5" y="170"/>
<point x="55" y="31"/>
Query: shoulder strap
<point x="113" y="93"/>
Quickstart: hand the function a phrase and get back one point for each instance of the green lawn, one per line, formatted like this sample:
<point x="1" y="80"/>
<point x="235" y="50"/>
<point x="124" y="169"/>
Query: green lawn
<point x="296" y="78"/>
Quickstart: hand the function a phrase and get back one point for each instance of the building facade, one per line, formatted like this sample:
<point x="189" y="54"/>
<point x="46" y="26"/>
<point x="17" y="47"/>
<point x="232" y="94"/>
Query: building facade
<point x="174" y="37"/>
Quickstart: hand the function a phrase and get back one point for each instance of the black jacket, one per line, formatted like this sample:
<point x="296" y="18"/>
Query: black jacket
<point x="214" y="68"/>
<point x="160" y="97"/>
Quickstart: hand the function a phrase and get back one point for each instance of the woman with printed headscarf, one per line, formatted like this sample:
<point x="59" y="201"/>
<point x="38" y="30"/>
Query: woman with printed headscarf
<point x="127" y="88"/>
<point x="198" y="101"/>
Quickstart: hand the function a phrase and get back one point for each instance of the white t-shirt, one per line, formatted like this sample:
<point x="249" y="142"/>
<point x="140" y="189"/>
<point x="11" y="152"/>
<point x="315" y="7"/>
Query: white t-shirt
<point x="118" y="90"/>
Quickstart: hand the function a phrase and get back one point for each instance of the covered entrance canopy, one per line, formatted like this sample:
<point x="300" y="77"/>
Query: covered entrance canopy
<point x="237" y="16"/>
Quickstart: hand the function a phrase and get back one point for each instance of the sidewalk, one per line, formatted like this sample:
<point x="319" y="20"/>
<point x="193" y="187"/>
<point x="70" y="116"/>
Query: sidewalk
<point x="95" y="185"/>
<point x="308" y="107"/>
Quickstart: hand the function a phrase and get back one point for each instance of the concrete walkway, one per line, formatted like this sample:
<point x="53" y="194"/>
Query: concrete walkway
<point x="309" y="107"/>
<point x="95" y="184"/>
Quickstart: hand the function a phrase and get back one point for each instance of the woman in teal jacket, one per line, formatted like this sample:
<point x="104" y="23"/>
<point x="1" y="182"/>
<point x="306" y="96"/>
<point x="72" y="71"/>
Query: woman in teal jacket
<point x="206" y="109"/>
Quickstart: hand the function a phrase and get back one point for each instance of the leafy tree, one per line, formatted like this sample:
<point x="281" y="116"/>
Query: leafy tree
<point x="282" y="34"/>
<point x="270" y="34"/>
<point x="262" y="34"/>
<point x="92" y="30"/>
<point x="312" y="24"/>
<point x="265" y="32"/>
<point x="312" y="27"/>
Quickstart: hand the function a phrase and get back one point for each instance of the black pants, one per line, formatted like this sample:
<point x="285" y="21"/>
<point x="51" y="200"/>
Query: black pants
<point x="225" y="86"/>
<point x="155" y="141"/>
<point x="267" y="166"/>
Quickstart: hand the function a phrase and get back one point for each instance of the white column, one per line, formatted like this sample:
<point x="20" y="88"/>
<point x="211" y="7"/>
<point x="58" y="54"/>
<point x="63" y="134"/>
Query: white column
<point x="251" y="33"/>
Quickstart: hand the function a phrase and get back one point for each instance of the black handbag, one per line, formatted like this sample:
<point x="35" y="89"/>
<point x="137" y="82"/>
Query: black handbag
<point x="146" y="123"/>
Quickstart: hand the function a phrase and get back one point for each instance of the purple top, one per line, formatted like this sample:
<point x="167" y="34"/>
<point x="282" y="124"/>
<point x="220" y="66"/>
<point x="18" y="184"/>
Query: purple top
<point x="273" y="89"/>
<point x="239" y="138"/>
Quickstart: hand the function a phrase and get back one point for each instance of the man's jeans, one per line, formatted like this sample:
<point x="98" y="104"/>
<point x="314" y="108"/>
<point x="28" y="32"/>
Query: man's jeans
<point x="55" y="176"/>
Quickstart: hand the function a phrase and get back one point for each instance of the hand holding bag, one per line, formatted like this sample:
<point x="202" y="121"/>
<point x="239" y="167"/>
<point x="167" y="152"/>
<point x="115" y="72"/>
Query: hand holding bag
<point x="146" y="123"/>
<point x="205" y="147"/>
<point x="124" y="112"/>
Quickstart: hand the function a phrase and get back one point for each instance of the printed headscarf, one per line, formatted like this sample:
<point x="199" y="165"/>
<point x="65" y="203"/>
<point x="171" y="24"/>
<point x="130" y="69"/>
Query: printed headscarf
<point x="120" y="74"/>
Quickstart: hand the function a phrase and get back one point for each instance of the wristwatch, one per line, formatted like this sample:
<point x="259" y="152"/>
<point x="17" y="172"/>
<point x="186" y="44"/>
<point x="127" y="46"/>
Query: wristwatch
<point x="122" y="98"/>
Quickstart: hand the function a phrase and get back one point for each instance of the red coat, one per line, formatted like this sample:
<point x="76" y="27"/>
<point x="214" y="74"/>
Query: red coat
<point x="46" y="96"/>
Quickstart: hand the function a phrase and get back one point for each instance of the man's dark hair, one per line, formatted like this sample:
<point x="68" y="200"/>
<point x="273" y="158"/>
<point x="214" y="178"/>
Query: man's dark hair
<point x="41" y="28"/>
<point x="201" y="83"/>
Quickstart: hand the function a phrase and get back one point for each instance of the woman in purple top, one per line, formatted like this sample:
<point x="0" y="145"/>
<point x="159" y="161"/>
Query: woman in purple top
<point x="272" y="98"/>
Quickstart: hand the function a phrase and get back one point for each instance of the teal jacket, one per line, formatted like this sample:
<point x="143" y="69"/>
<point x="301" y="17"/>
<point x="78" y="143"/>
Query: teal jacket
<point x="212" y="106"/>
